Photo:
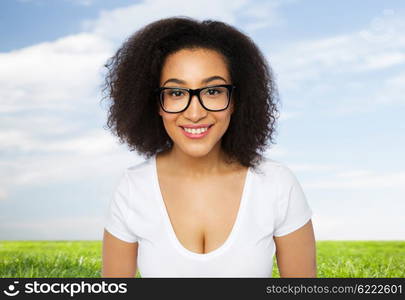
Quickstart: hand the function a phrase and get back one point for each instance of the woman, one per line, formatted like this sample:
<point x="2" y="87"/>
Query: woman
<point x="199" y="100"/>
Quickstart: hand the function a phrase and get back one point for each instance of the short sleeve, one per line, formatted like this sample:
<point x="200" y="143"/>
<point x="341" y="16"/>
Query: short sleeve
<point x="294" y="210"/>
<point x="116" y="219"/>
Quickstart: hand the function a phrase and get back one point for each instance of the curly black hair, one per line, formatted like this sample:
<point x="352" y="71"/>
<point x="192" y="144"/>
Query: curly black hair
<point x="134" y="73"/>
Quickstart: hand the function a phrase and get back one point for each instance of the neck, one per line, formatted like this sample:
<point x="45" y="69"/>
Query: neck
<point x="212" y="163"/>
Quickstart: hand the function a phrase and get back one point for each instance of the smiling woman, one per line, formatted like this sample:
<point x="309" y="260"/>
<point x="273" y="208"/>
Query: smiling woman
<point x="199" y="101"/>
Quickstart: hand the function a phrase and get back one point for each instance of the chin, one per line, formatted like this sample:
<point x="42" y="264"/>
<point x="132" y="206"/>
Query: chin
<point x="196" y="151"/>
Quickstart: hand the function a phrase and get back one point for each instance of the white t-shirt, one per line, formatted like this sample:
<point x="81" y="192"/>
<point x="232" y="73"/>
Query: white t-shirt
<point x="272" y="204"/>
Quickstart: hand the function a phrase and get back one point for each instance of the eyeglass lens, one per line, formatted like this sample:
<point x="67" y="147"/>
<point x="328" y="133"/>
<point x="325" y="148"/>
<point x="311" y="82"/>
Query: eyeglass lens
<point x="175" y="99"/>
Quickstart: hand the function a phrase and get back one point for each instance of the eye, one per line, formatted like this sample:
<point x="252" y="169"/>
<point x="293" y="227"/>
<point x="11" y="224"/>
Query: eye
<point x="213" y="91"/>
<point x="175" y="93"/>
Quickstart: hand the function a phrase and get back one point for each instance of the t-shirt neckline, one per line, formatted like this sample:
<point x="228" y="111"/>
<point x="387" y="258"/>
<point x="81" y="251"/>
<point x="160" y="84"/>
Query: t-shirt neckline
<point x="169" y="228"/>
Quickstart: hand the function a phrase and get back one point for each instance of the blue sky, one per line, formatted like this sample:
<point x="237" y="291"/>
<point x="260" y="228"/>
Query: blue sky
<point x="339" y="67"/>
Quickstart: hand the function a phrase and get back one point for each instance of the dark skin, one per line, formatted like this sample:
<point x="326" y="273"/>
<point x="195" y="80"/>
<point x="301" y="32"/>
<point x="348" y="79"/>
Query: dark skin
<point x="295" y="254"/>
<point x="197" y="167"/>
<point x="126" y="265"/>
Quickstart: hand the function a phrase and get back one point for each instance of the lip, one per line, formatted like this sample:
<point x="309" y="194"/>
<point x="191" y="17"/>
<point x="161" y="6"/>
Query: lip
<point x="197" y="126"/>
<point x="196" y="136"/>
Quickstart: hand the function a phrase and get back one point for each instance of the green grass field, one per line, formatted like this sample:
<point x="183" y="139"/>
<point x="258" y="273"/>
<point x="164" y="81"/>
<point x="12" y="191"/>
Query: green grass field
<point x="83" y="259"/>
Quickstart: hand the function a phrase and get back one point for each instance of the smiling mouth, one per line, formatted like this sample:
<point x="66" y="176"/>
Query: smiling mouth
<point x="198" y="128"/>
<point x="196" y="132"/>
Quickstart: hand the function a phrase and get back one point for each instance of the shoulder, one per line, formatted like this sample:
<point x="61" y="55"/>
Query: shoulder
<point x="139" y="177"/>
<point x="139" y="168"/>
<point x="271" y="167"/>
<point x="139" y="165"/>
<point x="270" y="171"/>
<point x="136" y="183"/>
<point x="133" y="174"/>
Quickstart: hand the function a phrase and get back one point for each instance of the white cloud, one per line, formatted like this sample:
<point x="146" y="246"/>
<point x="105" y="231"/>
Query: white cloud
<point x="119" y="23"/>
<point x="82" y="2"/>
<point x="76" y="2"/>
<point x="381" y="28"/>
<point x="57" y="74"/>
<point x="60" y="228"/>
<point x="339" y="54"/>
<point x="90" y="142"/>
<point x="319" y="68"/>
<point x="289" y="115"/>
<point x="264" y="14"/>
<point x="275" y="151"/>
<point x="313" y="167"/>
<point x="40" y="85"/>
<point x="53" y="170"/>
<point x="361" y="227"/>
<point x="60" y="161"/>
<point x="3" y="194"/>
<point x="30" y="125"/>
<point x="392" y="90"/>
<point x="360" y="179"/>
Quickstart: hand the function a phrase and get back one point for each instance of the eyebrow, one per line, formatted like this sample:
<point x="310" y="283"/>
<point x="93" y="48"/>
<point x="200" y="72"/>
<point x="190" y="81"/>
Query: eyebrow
<point x="206" y="80"/>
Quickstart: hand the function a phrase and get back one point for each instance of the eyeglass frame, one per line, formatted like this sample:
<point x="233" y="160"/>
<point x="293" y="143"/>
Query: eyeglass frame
<point x="193" y="92"/>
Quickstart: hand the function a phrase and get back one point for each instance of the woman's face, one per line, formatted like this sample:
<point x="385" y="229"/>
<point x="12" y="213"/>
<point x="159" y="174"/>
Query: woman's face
<point x="193" y="67"/>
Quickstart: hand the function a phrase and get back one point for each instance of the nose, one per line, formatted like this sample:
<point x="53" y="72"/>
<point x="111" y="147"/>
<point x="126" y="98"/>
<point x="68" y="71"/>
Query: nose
<point x="195" y="111"/>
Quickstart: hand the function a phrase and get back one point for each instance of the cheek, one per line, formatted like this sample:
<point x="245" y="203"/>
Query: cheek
<point x="169" y="121"/>
<point x="224" y="117"/>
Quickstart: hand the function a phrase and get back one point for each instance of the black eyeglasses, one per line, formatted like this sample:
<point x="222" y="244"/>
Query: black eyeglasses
<point x="212" y="98"/>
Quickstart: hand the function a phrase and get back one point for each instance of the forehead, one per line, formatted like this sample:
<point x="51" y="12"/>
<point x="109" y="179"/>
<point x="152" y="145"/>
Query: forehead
<point x="193" y="64"/>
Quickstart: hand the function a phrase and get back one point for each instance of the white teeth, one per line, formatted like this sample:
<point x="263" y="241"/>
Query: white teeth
<point x="195" y="131"/>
